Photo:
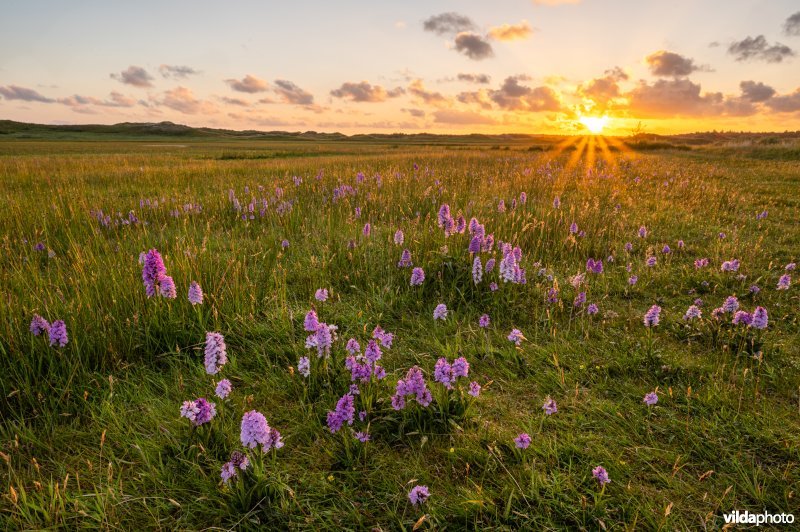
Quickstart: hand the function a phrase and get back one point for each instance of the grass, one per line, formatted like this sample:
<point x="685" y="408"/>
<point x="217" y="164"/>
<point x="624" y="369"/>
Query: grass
<point x="91" y="434"/>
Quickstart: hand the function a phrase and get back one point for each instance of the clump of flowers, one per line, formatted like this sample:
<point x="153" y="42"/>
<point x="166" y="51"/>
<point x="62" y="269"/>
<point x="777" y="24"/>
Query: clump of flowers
<point x="784" y="282"/>
<point x="384" y="338"/>
<point x="363" y="367"/>
<point x="594" y="266"/>
<point x="304" y="366"/>
<point x="730" y="265"/>
<point x="523" y="441"/>
<point x="321" y="294"/>
<point x="199" y="411"/>
<point x="601" y="475"/>
<point x="692" y="313"/>
<point x="256" y="431"/>
<point x="223" y="389"/>
<point x="195" y="294"/>
<point x="650" y="399"/>
<point x="231" y="468"/>
<point x="154" y="276"/>
<point x="652" y="316"/>
<point x="440" y="312"/>
<point x="413" y="384"/>
<point x="39" y="325"/>
<point x="58" y="333"/>
<point x="550" y="407"/>
<point x="343" y="413"/>
<point x="216" y="354"/>
<point x="510" y="270"/>
<point x="405" y="260"/>
<point x="516" y="336"/>
<point x="418" y="494"/>
<point x="447" y="374"/>
<point x="483" y="321"/>
<point x="417" y="276"/>
<point x="759" y="319"/>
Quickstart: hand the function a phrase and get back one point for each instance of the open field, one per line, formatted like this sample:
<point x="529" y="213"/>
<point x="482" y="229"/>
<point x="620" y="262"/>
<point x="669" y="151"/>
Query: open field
<point x="92" y="433"/>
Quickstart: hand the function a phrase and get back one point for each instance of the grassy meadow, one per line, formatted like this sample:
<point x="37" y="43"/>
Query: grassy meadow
<point x="92" y="435"/>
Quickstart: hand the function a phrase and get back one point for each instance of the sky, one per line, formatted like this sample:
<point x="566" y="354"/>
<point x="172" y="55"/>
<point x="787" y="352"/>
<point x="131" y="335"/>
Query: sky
<point x="411" y="66"/>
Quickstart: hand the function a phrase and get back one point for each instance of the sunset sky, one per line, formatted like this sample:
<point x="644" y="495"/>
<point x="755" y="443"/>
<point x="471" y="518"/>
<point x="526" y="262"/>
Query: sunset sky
<point x="521" y="66"/>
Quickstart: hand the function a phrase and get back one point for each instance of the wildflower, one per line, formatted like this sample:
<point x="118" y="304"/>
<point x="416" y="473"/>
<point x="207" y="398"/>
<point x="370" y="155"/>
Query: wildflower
<point x="367" y="229"/>
<point x="477" y="270"/>
<point x="523" y="197"/>
<point x="790" y="267"/>
<point x="579" y="300"/>
<point x="58" y="333"/>
<point x="474" y="389"/>
<point x="693" y="312"/>
<point x="304" y="366"/>
<point x="223" y="388"/>
<point x="152" y="270"/>
<point x="731" y="304"/>
<point x="444" y="215"/>
<point x="362" y="436"/>
<point x="594" y="266"/>
<point x="322" y="339"/>
<point x="523" y="441"/>
<point x="784" y="282"/>
<point x="373" y="352"/>
<point x="460" y="367"/>
<point x="227" y="472"/>
<point x="628" y="247"/>
<point x="550" y="407"/>
<point x="199" y="411"/>
<point x="418" y="494"/>
<point x="167" y="287"/>
<point x="493" y="287"/>
<point x="256" y="431"/>
<point x="666" y="250"/>
<point x="652" y="316"/>
<point x="284" y="243"/>
<point x="755" y="289"/>
<point x="399" y="237"/>
<point x="730" y="265"/>
<point x="405" y="259"/>
<point x="461" y="224"/>
<point x="321" y="294"/>
<point x="383" y="337"/>
<point x="742" y="317"/>
<point x="352" y="346"/>
<point x="440" y="312"/>
<point x="413" y="384"/>
<point x="592" y="309"/>
<point x="759" y="319"/>
<point x="216" y="354"/>
<point x="310" y="323"/>
<point x="642" y="232"/>
<point x="651" y="398"/>
<point x="483" y="321"/>
<point x="195" y="294"/>
<point x="681" y="244"/>
<point x="556" y="202"/>
<point x="344" y="412"/>
<point x="443" y="373"/>
<point x="651" y="261"/>
<point x="516" y="336"/>
<point x="700" y="263"/>
<point x="633" y="279"/>
<point x="573" y="228"/>
<point x="489" y="265"/>
<point x="417" y="276"/>
<point x="39" y="325"/>
<point x="601" y="475"/>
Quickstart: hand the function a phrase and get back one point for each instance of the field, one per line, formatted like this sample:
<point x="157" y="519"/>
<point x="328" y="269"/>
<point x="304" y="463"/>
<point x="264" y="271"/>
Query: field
<point x="92" y="433"/>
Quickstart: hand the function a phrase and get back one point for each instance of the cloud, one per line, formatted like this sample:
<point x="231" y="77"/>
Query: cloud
<point x="792" y="25"/>
<point x="15" y="92"/>
<point x="756" y="91"/>
<point x="474" y="78"/>
<point x="176" y="71"/>
<point x="473" y="45"/>
<point x="234" y="101"/>
<point x="135" y="76"/>
<point x="448" y="24"/>
<point x="364" y="92"/>
<point x="417" y="113"/>
<point x="80" y="103"/>
<point x="291" y="93"/>
<point x="757" y="48"/>
<point x="604" y="89"/>
<point x="418" y="90"/>
<point x="183" y="100"/>
<point x="479" y="98"/>
<point x="451" y="116"/>
<point x="510" y="32"/>
<point x="249" y="84"/>
<point x="680" y="97"/>
<point x="788" y="103"/>
<point x="664" y="63"/>
<point x="514" y="96"/>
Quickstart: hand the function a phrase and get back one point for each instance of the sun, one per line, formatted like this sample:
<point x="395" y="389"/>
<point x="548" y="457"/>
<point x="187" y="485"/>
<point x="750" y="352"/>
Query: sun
<point x="594" y="124"/>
